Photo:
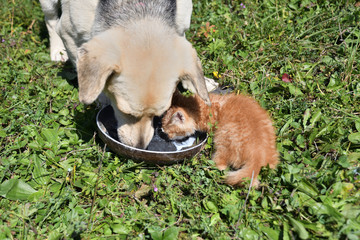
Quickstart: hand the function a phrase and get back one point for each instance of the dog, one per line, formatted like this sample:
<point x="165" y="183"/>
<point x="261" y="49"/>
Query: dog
<point x="133" y="51"/>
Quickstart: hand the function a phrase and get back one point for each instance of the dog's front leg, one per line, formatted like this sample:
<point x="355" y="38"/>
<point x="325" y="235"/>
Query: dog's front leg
<point x="51" y="13"/>
<point x="183" y="15"/>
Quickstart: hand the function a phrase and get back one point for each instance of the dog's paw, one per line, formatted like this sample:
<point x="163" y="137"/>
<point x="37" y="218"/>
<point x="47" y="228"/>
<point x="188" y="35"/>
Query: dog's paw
<point x="58" y="55"/>
<point x="57" y="48"/>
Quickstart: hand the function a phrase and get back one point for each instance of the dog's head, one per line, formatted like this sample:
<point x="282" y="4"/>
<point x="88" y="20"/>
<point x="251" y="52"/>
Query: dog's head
<point x="138" y="70"/>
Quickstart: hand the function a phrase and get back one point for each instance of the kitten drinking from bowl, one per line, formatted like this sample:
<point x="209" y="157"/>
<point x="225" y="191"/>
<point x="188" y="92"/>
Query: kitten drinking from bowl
<point x="244" y="135"/>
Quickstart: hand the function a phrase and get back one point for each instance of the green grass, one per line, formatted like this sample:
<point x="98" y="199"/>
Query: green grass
<point x="59" y="181"/>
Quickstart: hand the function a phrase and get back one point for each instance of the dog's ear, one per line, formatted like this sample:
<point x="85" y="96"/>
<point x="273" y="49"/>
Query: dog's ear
<point x="96" y="61"/>
<point x="193" y="77"/>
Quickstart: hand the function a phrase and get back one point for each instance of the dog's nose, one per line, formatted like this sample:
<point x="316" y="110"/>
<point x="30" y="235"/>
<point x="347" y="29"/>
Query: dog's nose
<point x="141" y="144"/>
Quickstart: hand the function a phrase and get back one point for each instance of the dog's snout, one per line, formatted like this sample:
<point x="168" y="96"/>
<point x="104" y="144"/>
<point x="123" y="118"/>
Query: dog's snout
<point x="136" y="133"/>
<point x="141" y="144"/>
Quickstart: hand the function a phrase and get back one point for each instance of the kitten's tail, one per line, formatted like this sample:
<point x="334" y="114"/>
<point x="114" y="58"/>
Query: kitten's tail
<point x="236" y="178"/>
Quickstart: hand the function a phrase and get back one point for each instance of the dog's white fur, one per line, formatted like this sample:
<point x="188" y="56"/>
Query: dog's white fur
<point x="137" y="67"/>
<point x="76" y="21"/>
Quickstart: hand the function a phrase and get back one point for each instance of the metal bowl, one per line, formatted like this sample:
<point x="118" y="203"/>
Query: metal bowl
<point x="106" y="125"/>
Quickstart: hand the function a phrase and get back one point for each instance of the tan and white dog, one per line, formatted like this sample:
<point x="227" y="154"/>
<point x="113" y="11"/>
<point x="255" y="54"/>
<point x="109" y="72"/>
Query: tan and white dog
<point x="133" y="51"/>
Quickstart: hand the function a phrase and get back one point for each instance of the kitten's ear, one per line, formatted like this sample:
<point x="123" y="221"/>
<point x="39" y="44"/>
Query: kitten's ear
<point x="177" y="117"/>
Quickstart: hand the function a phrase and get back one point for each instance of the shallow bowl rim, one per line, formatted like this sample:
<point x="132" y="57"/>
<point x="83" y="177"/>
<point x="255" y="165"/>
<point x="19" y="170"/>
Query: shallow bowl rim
<point x="144" y="150"/>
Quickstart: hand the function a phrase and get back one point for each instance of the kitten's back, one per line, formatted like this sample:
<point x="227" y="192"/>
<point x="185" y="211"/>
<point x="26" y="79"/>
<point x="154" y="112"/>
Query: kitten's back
<point x="245" y="137"/>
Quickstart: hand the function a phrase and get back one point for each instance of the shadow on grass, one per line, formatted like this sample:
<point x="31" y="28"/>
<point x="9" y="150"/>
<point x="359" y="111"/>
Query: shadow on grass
<point x="43" y="33"/>
<point x="69" y="73"/>
<point x="85" y="120"/>
<point x="85" y="116"/>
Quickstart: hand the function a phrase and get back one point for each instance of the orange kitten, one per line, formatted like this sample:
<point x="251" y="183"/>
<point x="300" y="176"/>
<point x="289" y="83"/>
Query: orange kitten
<point x="244" y="136"/>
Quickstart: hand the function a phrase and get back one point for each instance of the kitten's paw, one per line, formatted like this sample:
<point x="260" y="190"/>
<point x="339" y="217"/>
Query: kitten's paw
<point x="221" y="167"/>
<point x="272" y="166"/>
<point x="255" y="183"/>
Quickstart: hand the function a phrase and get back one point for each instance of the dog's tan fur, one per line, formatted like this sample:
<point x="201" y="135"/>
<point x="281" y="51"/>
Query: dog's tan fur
<point x="136" y="63"/>
<point x="132" y="73"/>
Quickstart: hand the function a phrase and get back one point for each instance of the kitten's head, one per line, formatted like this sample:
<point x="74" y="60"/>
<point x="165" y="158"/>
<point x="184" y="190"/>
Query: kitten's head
<point x="177" y="124"/>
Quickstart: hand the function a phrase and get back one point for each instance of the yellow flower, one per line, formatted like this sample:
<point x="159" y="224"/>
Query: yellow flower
<point x="216" y="74"/>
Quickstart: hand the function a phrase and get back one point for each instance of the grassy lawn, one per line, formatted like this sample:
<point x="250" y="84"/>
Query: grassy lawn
<point x="299" y="59"/>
